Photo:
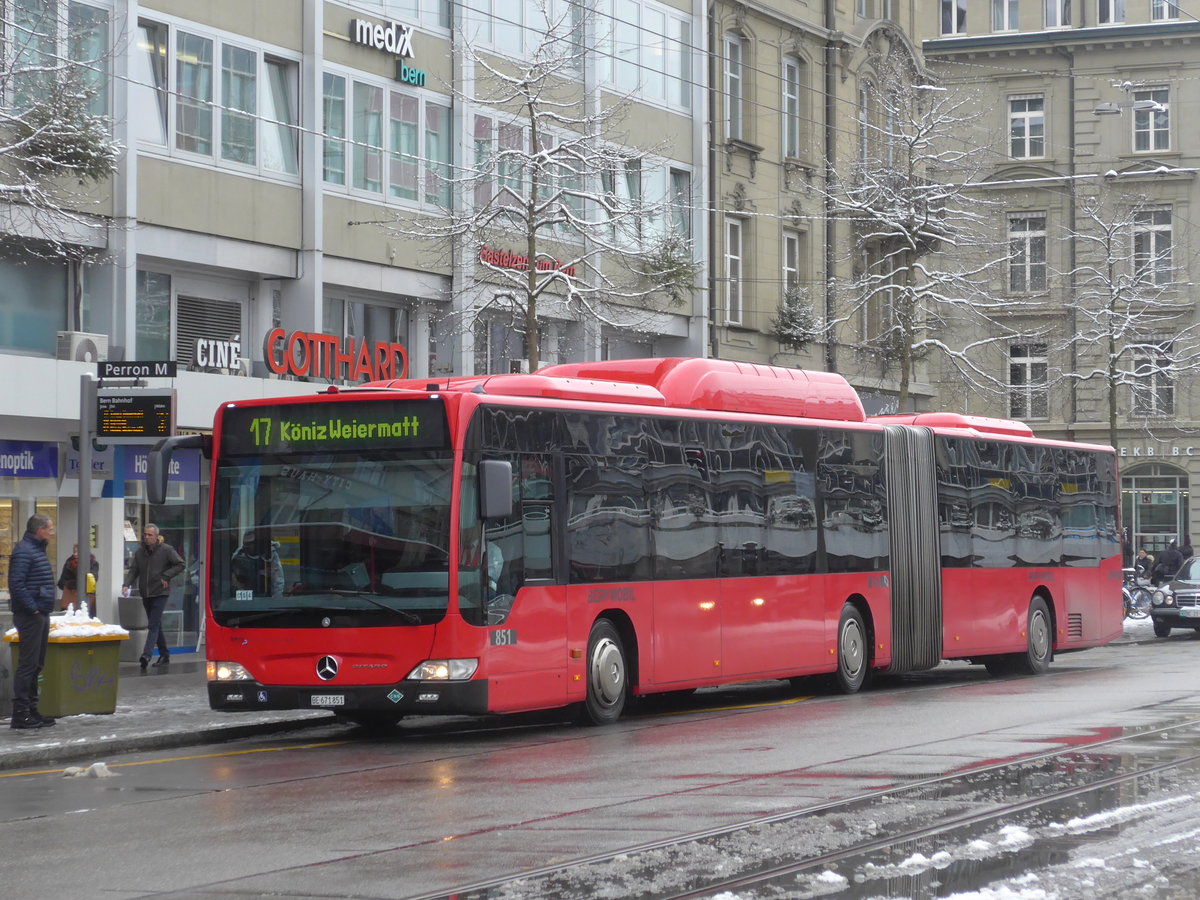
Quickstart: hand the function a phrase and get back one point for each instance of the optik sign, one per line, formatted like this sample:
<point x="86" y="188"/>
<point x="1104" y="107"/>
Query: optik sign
<point x="392" y="38"/>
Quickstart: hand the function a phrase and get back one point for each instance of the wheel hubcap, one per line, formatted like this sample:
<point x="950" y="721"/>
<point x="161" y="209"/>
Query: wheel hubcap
<point x="608" y="672"/>
<point x="1039" y="636"/>
<point x="851" y="648"/>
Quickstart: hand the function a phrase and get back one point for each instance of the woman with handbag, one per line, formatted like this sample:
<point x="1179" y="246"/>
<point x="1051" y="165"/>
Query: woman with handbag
<point x="68" y="581"/>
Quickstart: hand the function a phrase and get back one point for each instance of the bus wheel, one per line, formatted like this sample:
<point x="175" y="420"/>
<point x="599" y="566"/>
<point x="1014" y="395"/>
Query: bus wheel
<point x="607" y="682"/>
<point x="852" y="651"/>
<point x="1040" y="644"/>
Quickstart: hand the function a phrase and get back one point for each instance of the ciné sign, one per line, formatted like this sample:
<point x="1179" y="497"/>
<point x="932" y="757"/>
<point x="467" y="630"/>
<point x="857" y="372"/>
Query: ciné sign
<point x="304" y="353"/>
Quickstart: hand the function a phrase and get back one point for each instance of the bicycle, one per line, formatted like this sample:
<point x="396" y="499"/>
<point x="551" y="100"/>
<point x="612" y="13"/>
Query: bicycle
<point x="1135" y="595"/>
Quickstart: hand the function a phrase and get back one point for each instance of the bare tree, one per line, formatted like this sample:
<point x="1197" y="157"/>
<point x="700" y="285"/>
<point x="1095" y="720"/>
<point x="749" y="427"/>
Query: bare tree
<point x="1134" y="332"/>
<point x="563" y="184"/>
<point x="922" y="245"/>
<point x="55" y="135"/>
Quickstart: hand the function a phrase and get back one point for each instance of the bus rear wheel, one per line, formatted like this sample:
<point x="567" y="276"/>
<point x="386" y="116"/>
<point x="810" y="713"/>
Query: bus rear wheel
<point x="1039" y="649"/>
<point x="607" y="675"/>
<point x="853" y="651"/>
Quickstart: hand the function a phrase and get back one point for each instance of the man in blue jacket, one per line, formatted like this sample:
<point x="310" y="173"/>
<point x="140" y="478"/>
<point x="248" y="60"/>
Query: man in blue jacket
<point x="31" y="595"/>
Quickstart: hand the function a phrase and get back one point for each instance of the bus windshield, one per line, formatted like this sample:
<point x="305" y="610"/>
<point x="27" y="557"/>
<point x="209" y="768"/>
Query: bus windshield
<point x="331" y="540"/>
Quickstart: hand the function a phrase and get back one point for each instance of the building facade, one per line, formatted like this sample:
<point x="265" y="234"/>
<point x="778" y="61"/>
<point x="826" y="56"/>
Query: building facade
<point x="249" y="232"/>
<point x="1090" y="183"/>
<point x="794" y="117"/>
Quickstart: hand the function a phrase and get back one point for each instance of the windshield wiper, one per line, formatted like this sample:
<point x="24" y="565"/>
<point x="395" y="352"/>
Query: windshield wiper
<point x="267" y="614"/>
<point x="363" y="595"/>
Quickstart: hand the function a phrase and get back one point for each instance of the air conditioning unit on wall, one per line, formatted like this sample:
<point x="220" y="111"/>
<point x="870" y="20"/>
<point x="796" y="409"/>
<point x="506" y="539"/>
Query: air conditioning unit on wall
<point x="82" y="346"/>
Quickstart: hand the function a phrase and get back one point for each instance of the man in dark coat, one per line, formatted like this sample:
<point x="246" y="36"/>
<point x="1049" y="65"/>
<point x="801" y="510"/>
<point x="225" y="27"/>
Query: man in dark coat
<point x="151" y="568"/>
<point x="31" y="595"/>
<point x="1167" y="564"/>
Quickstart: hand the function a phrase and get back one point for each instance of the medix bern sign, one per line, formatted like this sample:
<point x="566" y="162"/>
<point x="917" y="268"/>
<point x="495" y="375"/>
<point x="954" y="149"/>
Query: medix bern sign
<point x="303" y="353"/>
<point x="394" y="38"/>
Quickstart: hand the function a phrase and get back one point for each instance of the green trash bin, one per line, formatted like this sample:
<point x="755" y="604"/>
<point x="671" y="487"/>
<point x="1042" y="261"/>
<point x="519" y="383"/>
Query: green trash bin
<point x="80" y="675"/>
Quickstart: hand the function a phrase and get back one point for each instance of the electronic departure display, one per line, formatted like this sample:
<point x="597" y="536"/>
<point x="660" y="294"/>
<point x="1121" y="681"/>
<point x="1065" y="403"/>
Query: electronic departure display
<point x="135" y="415"/>
<point x="334" y="426"/>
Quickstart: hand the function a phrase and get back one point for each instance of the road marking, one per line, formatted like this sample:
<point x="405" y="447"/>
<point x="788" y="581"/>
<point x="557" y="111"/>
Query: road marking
<point x="170" y="759"/>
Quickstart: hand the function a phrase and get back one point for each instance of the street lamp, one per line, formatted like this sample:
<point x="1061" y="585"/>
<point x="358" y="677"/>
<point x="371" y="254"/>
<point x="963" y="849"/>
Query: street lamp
<point x="1114" y="109"/>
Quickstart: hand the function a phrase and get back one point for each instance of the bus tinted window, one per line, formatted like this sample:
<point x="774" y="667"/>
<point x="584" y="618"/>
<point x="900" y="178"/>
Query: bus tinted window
<point x="608" y="521"/>
<point x="850" y="479"/>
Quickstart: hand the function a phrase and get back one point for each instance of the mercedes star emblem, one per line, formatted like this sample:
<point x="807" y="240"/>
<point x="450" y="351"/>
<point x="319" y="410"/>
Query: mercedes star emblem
<point x="326" y="668"/>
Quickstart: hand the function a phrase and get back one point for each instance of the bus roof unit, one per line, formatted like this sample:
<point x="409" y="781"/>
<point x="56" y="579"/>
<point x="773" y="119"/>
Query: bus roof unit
<point x="958" y="422"/>
<point x="722" y="385"/>
<point x="717" y="385"/>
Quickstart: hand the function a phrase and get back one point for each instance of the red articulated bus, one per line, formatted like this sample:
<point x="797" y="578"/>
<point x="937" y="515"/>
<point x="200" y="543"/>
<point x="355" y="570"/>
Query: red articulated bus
<point x="595" y="531"/>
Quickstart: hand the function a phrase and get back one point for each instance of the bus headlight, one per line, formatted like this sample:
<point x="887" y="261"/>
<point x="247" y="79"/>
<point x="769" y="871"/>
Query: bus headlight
<point x="227" y="671"/>
<point x="444" y="670"/>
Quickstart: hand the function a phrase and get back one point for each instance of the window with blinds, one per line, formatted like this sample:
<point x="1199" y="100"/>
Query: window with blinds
<point x="196" y="317"/>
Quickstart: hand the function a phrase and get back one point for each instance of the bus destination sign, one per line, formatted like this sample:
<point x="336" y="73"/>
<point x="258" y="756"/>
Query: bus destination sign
<point x="135" y="416"/>
<point x="333" y="426"/>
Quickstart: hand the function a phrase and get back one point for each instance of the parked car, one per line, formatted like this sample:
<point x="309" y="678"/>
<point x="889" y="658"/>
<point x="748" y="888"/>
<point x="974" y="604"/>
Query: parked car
<point x="1176" y="604"/>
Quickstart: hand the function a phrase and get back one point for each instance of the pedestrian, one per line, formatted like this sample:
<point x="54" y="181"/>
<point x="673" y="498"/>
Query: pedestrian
<point x="152" y="567"/>
<point x="31" y="594"/>
<point x="1143" y="564"/>
<point x="68" y="582"/>
<point x="1186" y="547"/>
<point x="1166" y="565"/>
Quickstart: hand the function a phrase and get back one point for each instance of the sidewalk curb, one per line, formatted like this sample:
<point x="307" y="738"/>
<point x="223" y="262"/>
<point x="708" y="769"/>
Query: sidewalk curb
<point x="97" y="750"/>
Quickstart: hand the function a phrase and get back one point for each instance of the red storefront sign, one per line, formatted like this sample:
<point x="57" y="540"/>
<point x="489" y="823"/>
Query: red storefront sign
<point x="305" y="353"/>
<point x="506" y="259"/>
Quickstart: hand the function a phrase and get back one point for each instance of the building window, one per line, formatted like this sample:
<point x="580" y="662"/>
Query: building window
<point x="1152" y="127"/>
<point x="1152" y="391"/>
<point x="1058" y="13"/>
<point x="733" y="271"/>
<point x="954" y="16"/>
<point x="152" y="311"/>
<point x="863" y="9"/>
<point x="643" y="50"/>
<point x="1163" y="10"/>
<point x="791" y="106"/>
<point x="404" y="155"/>
<point x="1152" y="246"/>
<point x="52" y="43"/>
<point x="1004" y="15"/>
<point x="194" y="93"/>
<point x="333" y="104"/>
<point x="864" y="120"/>
<point x="1110" y="12"/>
<point x="1027" y="254"/>
<point x="148" y="88"/>
<point x="1027" y="381"/>
<point x="791" y="261"/>
<point x="734" y="99"/>
<point x="680" y="203"/>
<point x="257" y="95"/>
<point x="1027" y="126"/>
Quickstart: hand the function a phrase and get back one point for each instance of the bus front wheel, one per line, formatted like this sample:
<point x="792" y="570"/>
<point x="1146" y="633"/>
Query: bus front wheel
<point x="853" y="651"/>
<point x="607" y="675"/>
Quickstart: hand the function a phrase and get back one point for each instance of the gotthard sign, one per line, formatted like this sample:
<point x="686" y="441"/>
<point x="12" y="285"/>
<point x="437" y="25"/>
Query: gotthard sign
<point x="304" y="353"/>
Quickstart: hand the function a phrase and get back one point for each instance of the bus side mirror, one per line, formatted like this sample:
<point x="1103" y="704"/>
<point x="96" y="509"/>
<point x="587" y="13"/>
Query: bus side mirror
<point x="158" y="463"/>
<point x="495" y="489"/>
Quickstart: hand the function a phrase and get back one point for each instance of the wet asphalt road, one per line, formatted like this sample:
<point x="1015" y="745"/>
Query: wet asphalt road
<point x="448" y="803"/>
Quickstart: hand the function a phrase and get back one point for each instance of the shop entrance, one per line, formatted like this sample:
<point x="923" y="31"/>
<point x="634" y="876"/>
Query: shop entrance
<point x="1154" y="506"/>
